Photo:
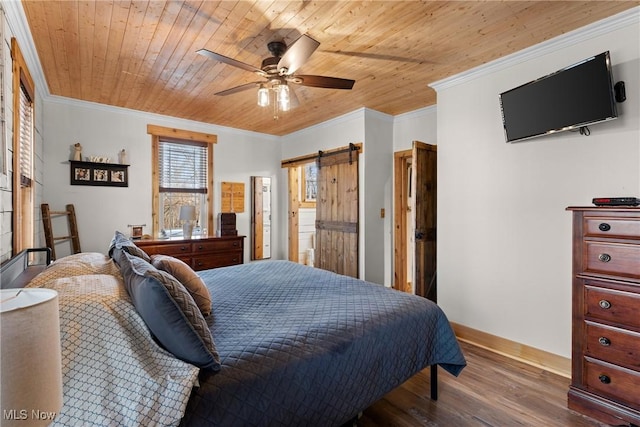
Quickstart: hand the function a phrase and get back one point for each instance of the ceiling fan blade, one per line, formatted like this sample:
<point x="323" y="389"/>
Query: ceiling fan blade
<point x="323" y="81"/>
<point x="238" y="88"/>
<point x="297" y="54"/>
<point x="230" y="61"/>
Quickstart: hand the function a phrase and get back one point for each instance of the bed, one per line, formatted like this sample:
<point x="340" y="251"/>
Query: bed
<point x="290" y="344"/>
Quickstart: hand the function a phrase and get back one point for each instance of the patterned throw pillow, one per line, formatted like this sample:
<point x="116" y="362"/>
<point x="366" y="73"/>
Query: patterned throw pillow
<point x="185" y="275"/>
<point x="169" y="311"/>
<point x="84" y="263"/>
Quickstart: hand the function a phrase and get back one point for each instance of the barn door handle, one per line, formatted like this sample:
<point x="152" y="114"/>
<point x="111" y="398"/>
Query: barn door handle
<point x="419" y="235"/>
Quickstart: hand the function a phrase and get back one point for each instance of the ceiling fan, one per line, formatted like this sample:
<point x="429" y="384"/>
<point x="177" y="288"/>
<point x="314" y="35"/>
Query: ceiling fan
<point x="279" y="70"/>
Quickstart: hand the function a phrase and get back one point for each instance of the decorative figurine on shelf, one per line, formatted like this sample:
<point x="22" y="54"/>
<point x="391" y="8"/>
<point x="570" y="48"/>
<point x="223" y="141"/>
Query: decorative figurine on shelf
<point x="77" y="154"/>
<point x="123" y="157"/>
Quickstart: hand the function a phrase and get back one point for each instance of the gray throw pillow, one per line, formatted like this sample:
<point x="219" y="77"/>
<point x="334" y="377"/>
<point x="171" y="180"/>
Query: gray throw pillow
<point x="121" y="241"/>
<point x="169" y="311"/>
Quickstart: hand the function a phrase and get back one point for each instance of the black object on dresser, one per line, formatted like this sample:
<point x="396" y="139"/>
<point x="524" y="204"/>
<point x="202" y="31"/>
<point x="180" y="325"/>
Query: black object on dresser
<point x="227" y="224"/>
<point x="605" y="361"/>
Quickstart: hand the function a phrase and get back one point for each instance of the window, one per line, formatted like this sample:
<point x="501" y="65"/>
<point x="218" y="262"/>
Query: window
<point x="309" y="185"/>
<point x="183" y="182"/>
<point x="183" y="176"/>
<point x="23" y="143"/>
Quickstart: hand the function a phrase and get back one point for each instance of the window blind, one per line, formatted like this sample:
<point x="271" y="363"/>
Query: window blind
<point x="183" y="167"/>
<point x="26" y="137"/>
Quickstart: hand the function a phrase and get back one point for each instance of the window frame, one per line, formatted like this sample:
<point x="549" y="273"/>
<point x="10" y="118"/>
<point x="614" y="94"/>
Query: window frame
<point x="159" y="133"/>
<point x="23" y="196"/>
<point x="305" y="200"/>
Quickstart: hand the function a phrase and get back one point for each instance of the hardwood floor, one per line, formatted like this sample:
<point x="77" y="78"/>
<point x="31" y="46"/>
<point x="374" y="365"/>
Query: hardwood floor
<point x="492" y="391"/>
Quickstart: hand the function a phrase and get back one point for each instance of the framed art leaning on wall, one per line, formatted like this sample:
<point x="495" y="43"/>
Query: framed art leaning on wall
<point x="99" y="174"/>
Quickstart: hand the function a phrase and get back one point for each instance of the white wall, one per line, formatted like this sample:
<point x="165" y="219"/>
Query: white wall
<point x="504" y="237"/>
<point x="419" y="125"/>
<point x="375" y="195"/>
<point x="104" y="131"/>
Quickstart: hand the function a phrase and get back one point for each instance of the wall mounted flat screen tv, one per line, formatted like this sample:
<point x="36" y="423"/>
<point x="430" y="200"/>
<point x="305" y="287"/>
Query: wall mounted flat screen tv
<point x="579" y="95"/>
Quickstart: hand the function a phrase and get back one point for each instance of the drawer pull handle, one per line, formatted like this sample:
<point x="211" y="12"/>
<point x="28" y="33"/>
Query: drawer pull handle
<point x="183" y="248"/>
<point x="604" y="379"/>
<point x="604" y="341"/>
<point x="604" y="304"/>
<point x="199" y="247"/>
<point x="604" y="227"/>
<point x="604" y="257"/>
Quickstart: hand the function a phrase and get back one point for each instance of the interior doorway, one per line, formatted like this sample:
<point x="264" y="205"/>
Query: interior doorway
<point x="403" y="241"/>
<point x="415" y="193"/>
<point x="330" y="189"/>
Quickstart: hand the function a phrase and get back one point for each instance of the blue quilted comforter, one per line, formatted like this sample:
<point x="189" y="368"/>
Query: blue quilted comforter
<point x="306" y="347"/>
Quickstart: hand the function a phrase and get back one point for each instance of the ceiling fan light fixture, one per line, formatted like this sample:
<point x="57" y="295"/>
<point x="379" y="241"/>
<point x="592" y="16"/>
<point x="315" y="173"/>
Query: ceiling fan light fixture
<point x="263" y="96"/>
<point x="284" y="101"/>
<point x="278" y="70"/>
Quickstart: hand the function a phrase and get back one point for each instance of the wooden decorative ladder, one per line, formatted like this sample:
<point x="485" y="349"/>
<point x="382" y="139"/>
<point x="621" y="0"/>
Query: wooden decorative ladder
<point x="73" y="235"/>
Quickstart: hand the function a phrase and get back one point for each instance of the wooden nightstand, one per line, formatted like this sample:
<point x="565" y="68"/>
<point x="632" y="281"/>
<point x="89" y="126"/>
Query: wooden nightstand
<point x="199" y="253"/>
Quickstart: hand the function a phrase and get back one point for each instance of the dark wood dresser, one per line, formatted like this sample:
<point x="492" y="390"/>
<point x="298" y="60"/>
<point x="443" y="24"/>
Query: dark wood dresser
<point x="605" y="360"/>
<point x="200" y="253"/>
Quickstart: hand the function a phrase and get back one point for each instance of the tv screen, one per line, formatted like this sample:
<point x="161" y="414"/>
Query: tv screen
<point x="576" y="96"/>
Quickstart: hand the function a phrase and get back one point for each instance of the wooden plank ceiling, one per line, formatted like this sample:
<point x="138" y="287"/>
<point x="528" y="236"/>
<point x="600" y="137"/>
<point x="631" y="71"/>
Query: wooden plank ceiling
<point x="142" y="54"/>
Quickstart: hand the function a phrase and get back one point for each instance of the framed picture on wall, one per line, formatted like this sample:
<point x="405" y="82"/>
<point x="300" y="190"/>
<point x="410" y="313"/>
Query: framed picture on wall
<point x="99" y="174"/>
<point x="82" y="174"/>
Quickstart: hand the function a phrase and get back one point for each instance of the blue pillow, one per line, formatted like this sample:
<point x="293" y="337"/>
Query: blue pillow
<point x="169" y="311"/>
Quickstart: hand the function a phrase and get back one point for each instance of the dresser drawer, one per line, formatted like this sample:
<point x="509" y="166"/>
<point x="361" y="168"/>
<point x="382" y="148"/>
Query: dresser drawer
<point x="222" y="245"/>
<point x="613" y="345"/>
<point x="613" y="259"/>
<point x="612" y="227"/>
<point x="613" y="381"/>
<point x="173" y="249"/>
<point x="613" y="306"/>
<point x="220" y="260"/>
<point x="200" y="254"/>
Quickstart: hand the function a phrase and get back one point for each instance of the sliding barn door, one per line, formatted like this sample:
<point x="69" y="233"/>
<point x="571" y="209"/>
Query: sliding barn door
<point x="337" y="212"/>
<point x="424" y="178"/>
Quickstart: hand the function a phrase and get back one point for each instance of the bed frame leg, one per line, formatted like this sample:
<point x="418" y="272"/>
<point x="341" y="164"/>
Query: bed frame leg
<point x="434" y="382"/>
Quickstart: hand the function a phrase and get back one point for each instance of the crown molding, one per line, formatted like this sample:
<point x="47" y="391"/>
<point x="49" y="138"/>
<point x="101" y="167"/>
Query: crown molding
<point x="169" y="121"/>
<point x="416" y="114"/>
<point x="353" y="115"/>
<point x="596" y="29"/>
